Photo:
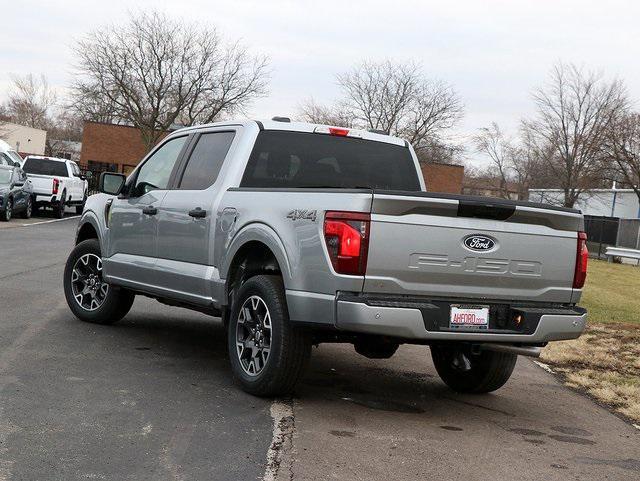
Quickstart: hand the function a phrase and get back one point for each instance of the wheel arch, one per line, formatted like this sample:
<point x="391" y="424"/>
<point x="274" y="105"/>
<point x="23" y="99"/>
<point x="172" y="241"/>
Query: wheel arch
<point x="87" y="229"/>
<point x="256" y="249"/>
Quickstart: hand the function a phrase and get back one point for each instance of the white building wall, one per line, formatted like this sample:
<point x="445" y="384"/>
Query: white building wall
<point x="24" y="139"/>
<point x="621" y="203"/>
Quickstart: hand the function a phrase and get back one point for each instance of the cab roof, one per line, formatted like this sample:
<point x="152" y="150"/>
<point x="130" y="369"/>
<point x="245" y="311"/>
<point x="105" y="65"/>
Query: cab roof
<point x="44" y="157"/>
<point x="307" y="127"/>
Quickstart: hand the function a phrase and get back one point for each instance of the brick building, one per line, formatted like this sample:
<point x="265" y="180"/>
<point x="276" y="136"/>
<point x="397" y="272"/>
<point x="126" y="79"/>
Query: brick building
<point x="111" y="147"/>
<point x="443" y="177"/>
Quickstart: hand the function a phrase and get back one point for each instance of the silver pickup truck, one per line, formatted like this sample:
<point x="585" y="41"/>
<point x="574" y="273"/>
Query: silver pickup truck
<point x="296" y="234"/>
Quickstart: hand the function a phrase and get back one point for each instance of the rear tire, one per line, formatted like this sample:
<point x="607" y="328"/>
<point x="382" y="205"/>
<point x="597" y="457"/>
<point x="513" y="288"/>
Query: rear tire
<point x="111" y="306"/>
<point x="259" y="320"/>
<point x="58" y="210"/>
<point x="486" y="371"/>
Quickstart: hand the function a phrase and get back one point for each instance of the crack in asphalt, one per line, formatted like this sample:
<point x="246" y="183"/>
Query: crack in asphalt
<point x="35" y="269"/>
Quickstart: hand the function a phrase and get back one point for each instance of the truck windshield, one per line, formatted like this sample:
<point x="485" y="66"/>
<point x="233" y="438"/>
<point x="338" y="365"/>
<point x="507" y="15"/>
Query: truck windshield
<point x="45" y="167"/>
<point x="282" y="159"/>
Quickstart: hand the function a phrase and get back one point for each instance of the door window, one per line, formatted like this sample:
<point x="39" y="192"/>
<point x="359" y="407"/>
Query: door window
<point x="156" y="171"/>
<point x="75" y="169"/>
<point x="206" y="160"/>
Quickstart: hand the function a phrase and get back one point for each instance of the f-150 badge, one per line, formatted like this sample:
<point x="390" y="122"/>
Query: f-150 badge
<point x="296" y="214"/>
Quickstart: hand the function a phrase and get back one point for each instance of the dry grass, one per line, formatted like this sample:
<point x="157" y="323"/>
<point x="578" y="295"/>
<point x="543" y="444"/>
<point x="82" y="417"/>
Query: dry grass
<point x="605" y="361"/>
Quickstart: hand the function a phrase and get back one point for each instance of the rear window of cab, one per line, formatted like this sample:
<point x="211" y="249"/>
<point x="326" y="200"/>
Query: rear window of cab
<point x="45" y="167"/>
<point x="284" y="159"/>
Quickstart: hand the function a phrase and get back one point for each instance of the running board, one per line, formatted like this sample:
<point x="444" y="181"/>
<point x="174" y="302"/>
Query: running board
<point x="531" y="351"/>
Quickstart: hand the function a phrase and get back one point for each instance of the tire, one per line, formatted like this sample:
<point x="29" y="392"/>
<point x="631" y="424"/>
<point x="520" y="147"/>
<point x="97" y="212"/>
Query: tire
<point x="58" y="210"/>
<point x="112" y="305"/>
<point x="26" y="213"/>
<point x="6" y="214"/>
<point x="80" y="208"/>
<point x="486" y="372"/>
<point x="289" y="347"/>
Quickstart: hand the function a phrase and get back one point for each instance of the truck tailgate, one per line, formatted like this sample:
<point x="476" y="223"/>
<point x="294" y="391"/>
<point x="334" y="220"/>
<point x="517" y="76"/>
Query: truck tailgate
<point x="42" y="184"/>
<point x="466" y="247"/>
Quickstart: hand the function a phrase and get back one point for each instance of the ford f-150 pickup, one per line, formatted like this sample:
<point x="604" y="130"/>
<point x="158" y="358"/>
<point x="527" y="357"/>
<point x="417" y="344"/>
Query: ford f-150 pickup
<point x="297" y="234"/>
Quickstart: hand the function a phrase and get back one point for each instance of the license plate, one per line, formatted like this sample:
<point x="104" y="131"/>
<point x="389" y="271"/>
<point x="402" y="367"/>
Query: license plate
<point x="474" y="317"/>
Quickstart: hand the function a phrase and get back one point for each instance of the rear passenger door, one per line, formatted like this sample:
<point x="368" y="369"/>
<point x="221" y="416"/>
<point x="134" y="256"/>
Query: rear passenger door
<point x="186" y="218"/>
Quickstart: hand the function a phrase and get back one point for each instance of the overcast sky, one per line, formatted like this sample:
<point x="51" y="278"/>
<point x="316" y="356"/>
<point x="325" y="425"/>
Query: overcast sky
<point x="493" y="52"/>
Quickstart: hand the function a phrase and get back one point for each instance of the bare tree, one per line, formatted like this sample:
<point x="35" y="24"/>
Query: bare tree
<point x="622" y="150"/>
<point x="154" y="71"/>
<point x="30" y="101"/>
<point x="394" y="98"/>
<point x="574" y="112"/>
<point x="310" y="111"/>
<point x="501" y="152"/>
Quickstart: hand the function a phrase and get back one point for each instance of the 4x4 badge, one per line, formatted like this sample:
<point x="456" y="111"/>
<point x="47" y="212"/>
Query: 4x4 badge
<point x="302" y="214"/>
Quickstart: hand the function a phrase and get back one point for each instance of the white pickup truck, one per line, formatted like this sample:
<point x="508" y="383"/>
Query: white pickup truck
<point x="57" y="183"/>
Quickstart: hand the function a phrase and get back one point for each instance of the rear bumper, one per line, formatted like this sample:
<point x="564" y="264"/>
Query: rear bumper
<point x="424" y="322"/>
<point x="45" y="198"/>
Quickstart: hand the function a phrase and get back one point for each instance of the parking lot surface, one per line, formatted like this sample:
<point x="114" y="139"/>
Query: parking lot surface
<point x="151" y="398"/>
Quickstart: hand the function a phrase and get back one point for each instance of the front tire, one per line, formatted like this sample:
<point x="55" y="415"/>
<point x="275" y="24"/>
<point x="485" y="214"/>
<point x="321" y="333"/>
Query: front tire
<point x="467" y="372"/>
<point x="26" y="214"/>
<point x="80" y="208"/>
<point x="88" y="296"/>
<point x="5" y="216"/>
<point x="268" y="355"/>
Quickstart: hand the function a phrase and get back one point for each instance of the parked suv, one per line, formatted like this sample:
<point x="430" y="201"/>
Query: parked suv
<point x="297" y="233"/>
<point x="15" y="193"/>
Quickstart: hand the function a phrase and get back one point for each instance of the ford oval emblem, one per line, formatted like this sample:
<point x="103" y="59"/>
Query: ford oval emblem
<point x="479" y="243"/>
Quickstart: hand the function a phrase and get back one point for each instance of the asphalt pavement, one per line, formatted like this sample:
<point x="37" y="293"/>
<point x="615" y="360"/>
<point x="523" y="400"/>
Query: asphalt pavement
<point x="151" y="398"/>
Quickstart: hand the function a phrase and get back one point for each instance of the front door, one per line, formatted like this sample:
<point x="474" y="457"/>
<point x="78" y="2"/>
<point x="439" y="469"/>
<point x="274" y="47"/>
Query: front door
<point x="131" y="249"/>
<point x="77" y="182"/>
<point x="20" y="194"/>
<point x="186" y="220"/>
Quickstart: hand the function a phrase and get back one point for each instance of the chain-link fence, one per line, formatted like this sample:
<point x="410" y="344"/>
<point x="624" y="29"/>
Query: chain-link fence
<point x="611" y="231"/>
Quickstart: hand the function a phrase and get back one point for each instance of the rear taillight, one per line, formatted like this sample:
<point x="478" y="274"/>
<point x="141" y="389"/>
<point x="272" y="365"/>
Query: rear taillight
<point x="347" y="238"/>
<point x="56" y="184"/>
<point x="582" y="258"/>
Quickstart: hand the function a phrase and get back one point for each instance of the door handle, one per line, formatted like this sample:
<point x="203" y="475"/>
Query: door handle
<point x="198" y="213"/>
<point x="150" y="210"/>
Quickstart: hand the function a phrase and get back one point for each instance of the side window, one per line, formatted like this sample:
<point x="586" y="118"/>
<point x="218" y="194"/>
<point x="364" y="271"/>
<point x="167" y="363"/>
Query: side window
<point x="5" y="160"/>
<point x="75" y="169"/>
<point x="206" y="160"/>
<point x="156" y="171"/>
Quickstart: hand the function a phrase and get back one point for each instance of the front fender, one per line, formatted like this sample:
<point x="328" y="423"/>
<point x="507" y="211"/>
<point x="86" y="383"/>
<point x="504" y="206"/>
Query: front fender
<point x="94" y="214"/>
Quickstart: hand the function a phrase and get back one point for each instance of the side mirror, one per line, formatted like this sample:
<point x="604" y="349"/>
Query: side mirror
<point x="111" y="183"/>
<point x="83" y="177"/>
